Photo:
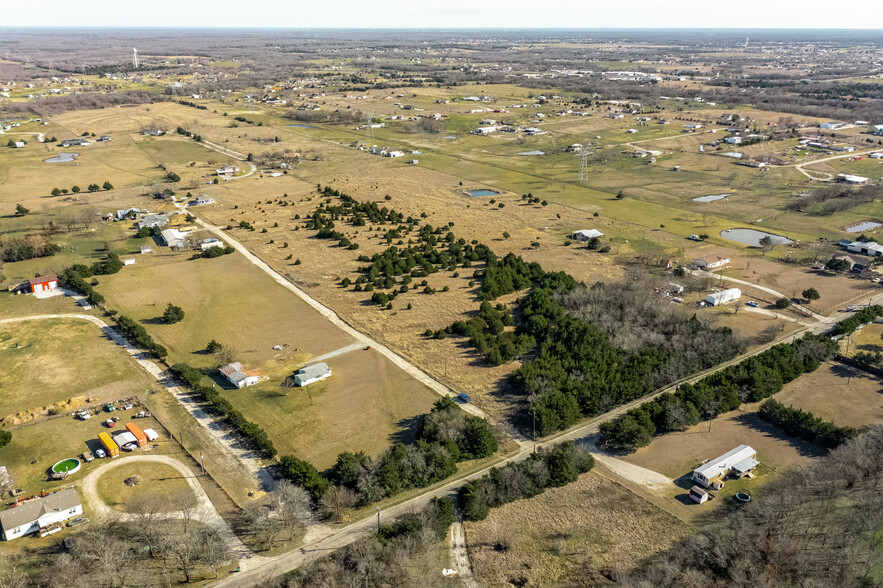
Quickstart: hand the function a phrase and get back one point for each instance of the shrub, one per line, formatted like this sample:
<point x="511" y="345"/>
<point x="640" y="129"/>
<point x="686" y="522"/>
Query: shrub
<point x="172" y="314"/>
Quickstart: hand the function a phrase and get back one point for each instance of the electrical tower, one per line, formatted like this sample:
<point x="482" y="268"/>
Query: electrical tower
<point x="135" y="62"/>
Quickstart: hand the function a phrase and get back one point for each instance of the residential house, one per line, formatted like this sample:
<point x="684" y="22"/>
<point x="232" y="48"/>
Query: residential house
<point x="202" y="201"/>
<point x="833" y="125"/>
<point x="865" y="248"/>
<point x="18" y="144"/>
<point x="228" y="169"/>
<point x="724" y="296"/>
<point x="311" y="373"/>
<point x="209" y="243"/>
<point x="711" y="262"/>
<point x="174" y="238"/>
<point x="44" y="515"/>
<point x="737" y="462"/>
<point x="586" y="234"/>
<point x="152" y="220"/>
<point x="238" y="376"/>
<point x="73" y="142"/>
<point x="851" y="179"/>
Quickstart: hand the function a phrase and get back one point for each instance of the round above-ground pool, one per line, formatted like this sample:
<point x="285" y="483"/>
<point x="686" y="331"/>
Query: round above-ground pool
<point x="67" y="466"/>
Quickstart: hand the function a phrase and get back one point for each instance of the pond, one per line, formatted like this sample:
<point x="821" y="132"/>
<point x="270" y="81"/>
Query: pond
<point x="478" y="193"/>
<point x="303" y="126"/>
<point x="62" y="158"/>
<point x="752" y="237"/>
<point x="862" y="227"/>
<point x="711" y="198"/>
<point x="532" y="153"/>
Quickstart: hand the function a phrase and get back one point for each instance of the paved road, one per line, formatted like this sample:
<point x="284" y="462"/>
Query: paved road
<point x="336" y="320"/>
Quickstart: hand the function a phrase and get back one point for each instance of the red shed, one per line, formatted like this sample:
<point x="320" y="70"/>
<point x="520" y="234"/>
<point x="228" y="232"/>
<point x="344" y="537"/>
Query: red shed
<point x="43" y="283"/>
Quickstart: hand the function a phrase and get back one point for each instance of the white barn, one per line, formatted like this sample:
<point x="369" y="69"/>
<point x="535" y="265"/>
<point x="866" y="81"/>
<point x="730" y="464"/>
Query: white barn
<point x="43" y="515"/>
<point x="724" y="296"/>
<point x="586" y="234"/>
<point x="738" y="462"/>
<point x="312" y="373"/>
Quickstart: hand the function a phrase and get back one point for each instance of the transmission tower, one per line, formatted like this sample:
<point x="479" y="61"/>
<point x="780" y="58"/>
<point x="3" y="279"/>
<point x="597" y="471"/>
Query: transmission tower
<point x="135" y="62"/>
<point x="584" y="165"/>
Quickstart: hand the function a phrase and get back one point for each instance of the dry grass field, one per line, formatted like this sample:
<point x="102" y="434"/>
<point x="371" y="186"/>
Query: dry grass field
<point x="365" y="405"/>
<point x="43" y="366"/>
<point x="570" y="536"/>
<point x="838" y="393"/>
<point x="160" y="483"/>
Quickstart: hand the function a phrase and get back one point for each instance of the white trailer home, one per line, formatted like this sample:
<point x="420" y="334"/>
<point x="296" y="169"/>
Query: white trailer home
<point x="723" y="296"/>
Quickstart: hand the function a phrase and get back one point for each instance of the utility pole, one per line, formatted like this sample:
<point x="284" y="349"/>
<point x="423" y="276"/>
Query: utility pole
<point x="378" y="519"/>
<point x="202" y="462"/>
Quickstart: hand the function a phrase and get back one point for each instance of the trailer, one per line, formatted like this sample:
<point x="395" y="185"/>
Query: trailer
<point x="109" y="445"/>
<point x="139" y="434"/>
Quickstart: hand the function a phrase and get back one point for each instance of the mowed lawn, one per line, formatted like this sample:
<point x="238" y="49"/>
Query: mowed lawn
<point x="53" y="360"/>
<point x="366" y="403"/>
<point x="161" y="485"/>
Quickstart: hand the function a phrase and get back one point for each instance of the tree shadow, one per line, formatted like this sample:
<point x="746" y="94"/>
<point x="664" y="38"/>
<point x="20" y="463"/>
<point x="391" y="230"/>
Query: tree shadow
<point x="157" y="320"/>
<point x="407" y="429"/>
<point x="844" y="371"/>
<point x="804" y="448"/>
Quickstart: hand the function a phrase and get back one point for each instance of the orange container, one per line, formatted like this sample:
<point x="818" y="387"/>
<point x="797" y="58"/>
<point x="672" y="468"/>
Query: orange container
<point x="139" y="434"/>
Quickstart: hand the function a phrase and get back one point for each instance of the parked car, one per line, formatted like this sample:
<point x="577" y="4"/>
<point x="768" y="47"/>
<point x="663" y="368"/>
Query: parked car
<point x="140" y="415"/>
<point x="463" y="397"/>
<point x="128" y="407"/>
<point x="115" y="419"/>
<point x="84" y="415"/>
<point x="110" y="423"/>
<point x="109" y="407"/>
<point x="129" y="447"/>
<point x="752" y="304"/>
<point x="99" y="453"/>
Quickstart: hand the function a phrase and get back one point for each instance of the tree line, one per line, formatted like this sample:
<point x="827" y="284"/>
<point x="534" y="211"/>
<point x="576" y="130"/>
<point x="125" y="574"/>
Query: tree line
<point x="27" y="247"/>
<point x="805" y="425"/>
<point x="751" y="380"/>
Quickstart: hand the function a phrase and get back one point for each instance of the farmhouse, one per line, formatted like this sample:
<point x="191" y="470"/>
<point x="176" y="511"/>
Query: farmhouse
<point x="45" y="515"/>
<point x="723" y="296"/>
<point x="73" y="142"/>
<point x="228" y="169"/>
<point x="209" y="243"/>
<point x="485" y="130"/>
<point x="869" y="248"/>
<point x="152" y="220"/>
<point x="833" y="125"/>
<point x="240" y="377"/>
<point x="43" y="283"/>
<point x="586" y="234"/>
<point x="202" y="201"/>
<point x="311" y="373"/>
<point x="711" y="262"/>
<point x="18" y="144"/>
<point x="737" y="462"/>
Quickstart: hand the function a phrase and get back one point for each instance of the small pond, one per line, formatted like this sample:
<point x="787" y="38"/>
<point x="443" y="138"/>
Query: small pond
<point x="711" y="198"/>
<point x="478" y="193"/>
<point x="532" y="153"/>
<point x="862" y="227"/>
<point x="62" y="158"/>
<point x="752" y="237"/>
<point x="303" y="126"/>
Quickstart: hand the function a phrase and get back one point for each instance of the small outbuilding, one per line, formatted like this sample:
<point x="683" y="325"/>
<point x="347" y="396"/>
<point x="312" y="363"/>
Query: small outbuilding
<point x="698" y="495"/>
<point x="43" y="283"/>
<point x="238" y="376"/>
<point x="586" y="234"/>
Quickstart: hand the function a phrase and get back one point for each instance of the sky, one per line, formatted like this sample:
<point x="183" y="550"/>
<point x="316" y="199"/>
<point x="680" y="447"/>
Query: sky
<point x="862" y="14"/>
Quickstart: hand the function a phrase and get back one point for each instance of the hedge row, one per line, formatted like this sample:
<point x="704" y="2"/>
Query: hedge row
<point x="256" y="436"/>
<point x="864" y="316"/>
<point x="799" y="423"/>
<point x="74" y="279"/>
<point x="554" y="467"/>
<point x="138" y="336"/>
<point x="752" y="380"/>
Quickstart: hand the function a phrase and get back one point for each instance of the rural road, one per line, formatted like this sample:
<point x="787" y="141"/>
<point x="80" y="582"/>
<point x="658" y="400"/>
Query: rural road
<point x="818" y="317"/>
<point x="234" y="155"/>
<point x="205" y="512"/>
<point x="39" y="135"/>
<point x="460" y="555"/>
<point x="334" y="318"/>
<point x="225" y="441"/>
<point x="799" y="166"/>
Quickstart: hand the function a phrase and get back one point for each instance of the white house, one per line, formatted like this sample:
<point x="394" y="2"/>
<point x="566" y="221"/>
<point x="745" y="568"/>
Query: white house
<point x="876" y="155"/>
<point x="238" y="376"/>
<point x="723" y="296"/>
<point x="851" y="179"/>
<point x="485" y="130"/>
<point x="586" y="234"/>
<point x="228" y="169"/>
<point x="833" y="125"/>
<point x="19" y="144"/>
<point x="45" y="515"/>
<point x="733" y="140"/>
<point x="311" y="373"/>
<point x="202" y="201"/>
<point x="395" y="153"/>
<point x="209" y="243"/>
<point x="737" y="462"/>
<point x="174" y="238"/>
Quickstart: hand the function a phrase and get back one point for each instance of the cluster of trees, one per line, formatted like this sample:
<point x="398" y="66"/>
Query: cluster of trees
<point x="834" y="198"/>
<point x="752" y="380"/>
<point x="5" y="437"/>
<point x="488" y="336"/>
<point x="401" y="553"/>
<point x="508" y="275"/>
<point x="579" y="372"/>
<point x="217" y="251"/>
<point x="110" y="265"/>
<point x="817" y="525"/>
<point x="803" y="424"/>
<point x="192" y="105"/>
<point x="76" y="189"/>
<point x="547" y="468"/>
<point x="138" y="336"/>
<point x="857" y="319"/>
<point x="448" y="435"/>
<point x="255" y="435"/>
<point x="28" y="247"/>
<point x="74" y="278"/>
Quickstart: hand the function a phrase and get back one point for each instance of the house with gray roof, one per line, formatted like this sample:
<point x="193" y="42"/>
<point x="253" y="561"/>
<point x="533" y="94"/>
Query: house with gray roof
<point x="311" y="373"/>
<point x="44" y="515"/>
